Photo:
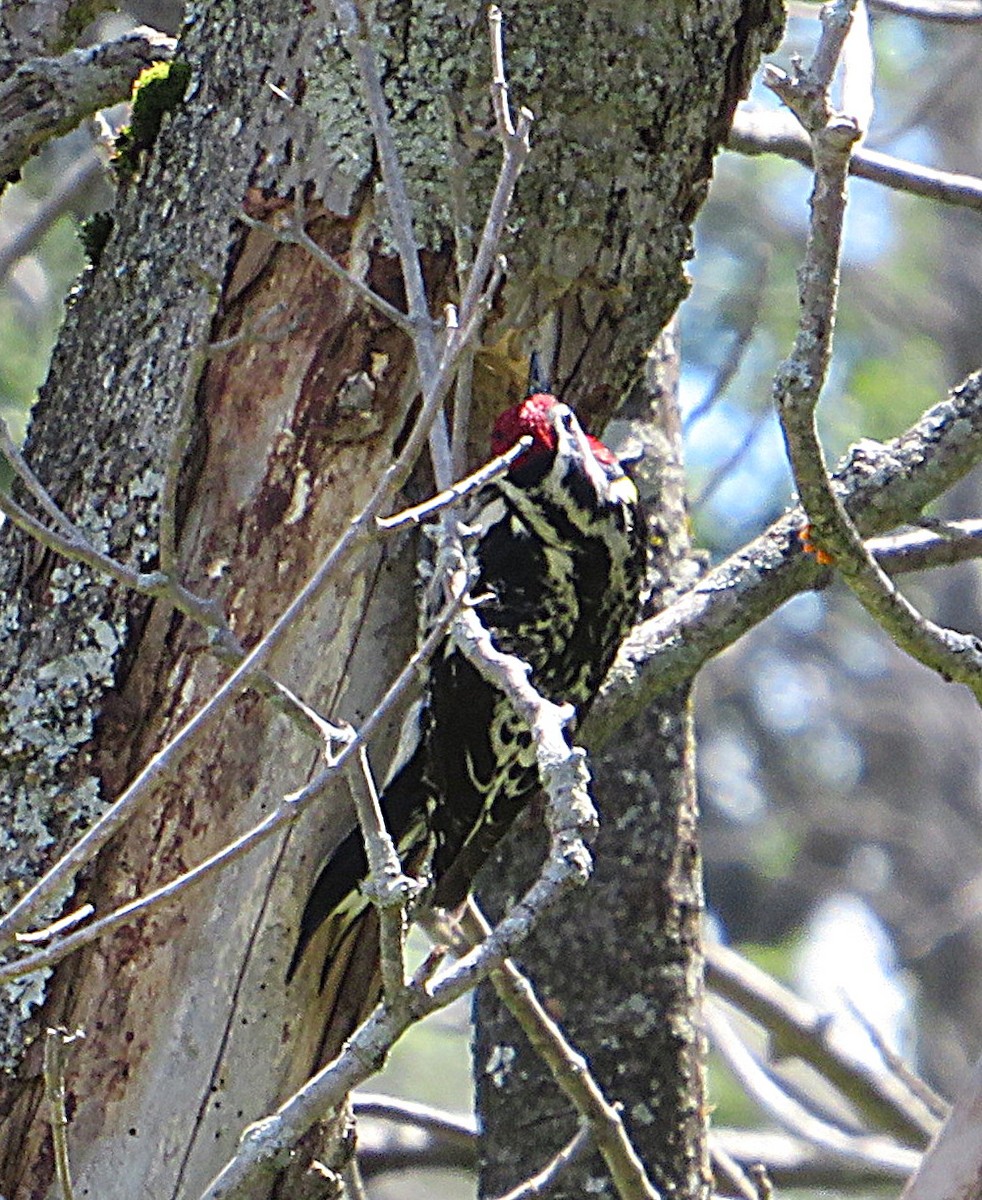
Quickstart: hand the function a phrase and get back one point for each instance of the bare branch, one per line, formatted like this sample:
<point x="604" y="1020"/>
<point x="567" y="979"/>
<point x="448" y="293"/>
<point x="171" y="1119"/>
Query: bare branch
<point x="24" y="472"/>
<point x="726" y="1165"/>
<point x="928" y="548"/>
<point x="733" y="459"/>
<point x="408" y="1134"/>
<point x="515" y="143"/>
<point x="354" y="25"/>
<point x="57" y="928"/>
<point x="45" y="97"/>
<point x="935" y="1104"/>
<point x="389" y="889"/>
<point x="69" y="541"/>
<point x="895" y="1161"/>
<point x="167" y="758"/>
<point x="882" y="486"/>
<point x="55" y="1042"/>
<point x="473" y="483"/>
<point x="294" y="233"/>
<point x="285" y="814"/>
<point x="255" y="332"/>
<point x="602" y="1120"/>
<point x="264" y="1143"/>
<point x="752" y="291"/>
<point x="797" y="1029"/>
<point x="499" y="80"/>
<point x="770" y="133"/>
<point x="433" y="382"/>
<point x="800" y="380"/>
<point x="790" y="1161"/>
<point x="63" y="198"/>
<point x="954" y="12"/>
<point x="542" y="1182"/>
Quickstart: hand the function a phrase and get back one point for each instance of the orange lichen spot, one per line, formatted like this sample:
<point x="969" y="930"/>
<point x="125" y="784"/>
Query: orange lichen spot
<point x="822" y="557"/>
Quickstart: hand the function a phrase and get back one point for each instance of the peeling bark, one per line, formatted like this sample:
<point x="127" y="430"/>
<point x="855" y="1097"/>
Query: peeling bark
<point x="190" y="1034"/>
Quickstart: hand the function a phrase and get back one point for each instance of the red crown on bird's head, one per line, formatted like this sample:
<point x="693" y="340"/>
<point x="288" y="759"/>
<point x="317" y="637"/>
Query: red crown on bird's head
<point x="535" y="417"/>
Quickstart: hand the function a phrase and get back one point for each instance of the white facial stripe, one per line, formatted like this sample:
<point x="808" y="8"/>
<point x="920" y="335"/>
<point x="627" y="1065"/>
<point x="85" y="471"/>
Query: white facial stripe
<point x="572" y="443"/>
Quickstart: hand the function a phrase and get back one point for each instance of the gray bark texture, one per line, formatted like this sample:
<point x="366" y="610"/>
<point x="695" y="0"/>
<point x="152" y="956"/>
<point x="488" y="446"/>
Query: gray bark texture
<point x="621" y="965"/>
<point x="190" y="1033"/>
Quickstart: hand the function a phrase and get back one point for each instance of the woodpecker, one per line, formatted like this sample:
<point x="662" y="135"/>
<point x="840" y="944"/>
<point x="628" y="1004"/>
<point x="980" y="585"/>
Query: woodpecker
<point x="560" y="557"/>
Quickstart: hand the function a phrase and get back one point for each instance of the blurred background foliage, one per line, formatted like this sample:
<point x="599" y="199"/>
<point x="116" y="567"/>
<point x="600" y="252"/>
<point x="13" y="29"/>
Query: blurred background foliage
<point x="839" y="781"/>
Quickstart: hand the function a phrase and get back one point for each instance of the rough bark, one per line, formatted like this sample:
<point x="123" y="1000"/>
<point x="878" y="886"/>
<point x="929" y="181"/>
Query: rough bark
<point x="190" y="1034"/>
<point x="621" y="965"/>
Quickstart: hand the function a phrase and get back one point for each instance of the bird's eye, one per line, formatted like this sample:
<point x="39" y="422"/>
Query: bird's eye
<point x="566" y="416"/>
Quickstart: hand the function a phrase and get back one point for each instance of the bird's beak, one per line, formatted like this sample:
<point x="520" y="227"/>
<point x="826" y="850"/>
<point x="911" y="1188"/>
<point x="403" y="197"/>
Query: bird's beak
<point x="571" y="443"/>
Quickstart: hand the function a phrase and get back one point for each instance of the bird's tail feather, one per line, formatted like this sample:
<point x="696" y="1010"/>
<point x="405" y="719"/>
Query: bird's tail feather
<point x="351" y="985"/>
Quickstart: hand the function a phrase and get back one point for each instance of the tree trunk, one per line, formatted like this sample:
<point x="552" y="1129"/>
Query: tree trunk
<point x="190" y="1033"/>
<point x="621" y="965"/>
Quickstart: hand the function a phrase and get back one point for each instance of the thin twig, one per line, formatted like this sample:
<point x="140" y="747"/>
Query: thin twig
<point x="895" y="1161"/>
<point x="167" y="758"/>
<point x="542" y="1182"/>
<point x="64" y="197"/>
<point x="797" y="1029"/>
<point x="499" y="80"/>
<point x="752" y="291"/>
<point x="389" y="889"/>
<point x="762" y="1180"/>
<point x="955" y="12"/>
<point x="570" y="1071"/>
<point x="252" y="332"/>
<point x="935" y="1104"/>
<point x="927" y="549"/>
<point x="25" y="473"/>
<point x="286" y="814"/>
<point x="410" y="517"/>
<point x="57" y="928"/>
<point x="857" y="72"/>
<point x="295" y="234"/>
<point x="461" y="421"/>
<point x="55" y="1042"/>
<point x="799" y="382"/>
<point x="412" y="1112"/>
<point x="724" y="1162"/>
<point x="263" y="1144"/>
<point x="433" y="380"/>
<point x="406" y="1135"/>
<point x="719" y="474"/>
<point x="354" y="26"/>
<point x="75" y="546"/>
<point x="515" y="142"/>
<point x="516" y="152"/>
<point x="769" y="133"/>
<point x="353" y="1183"/>
<point x="468" y="329"/>
<point x="46" y="94"/>
<point x="882" y="486"/>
